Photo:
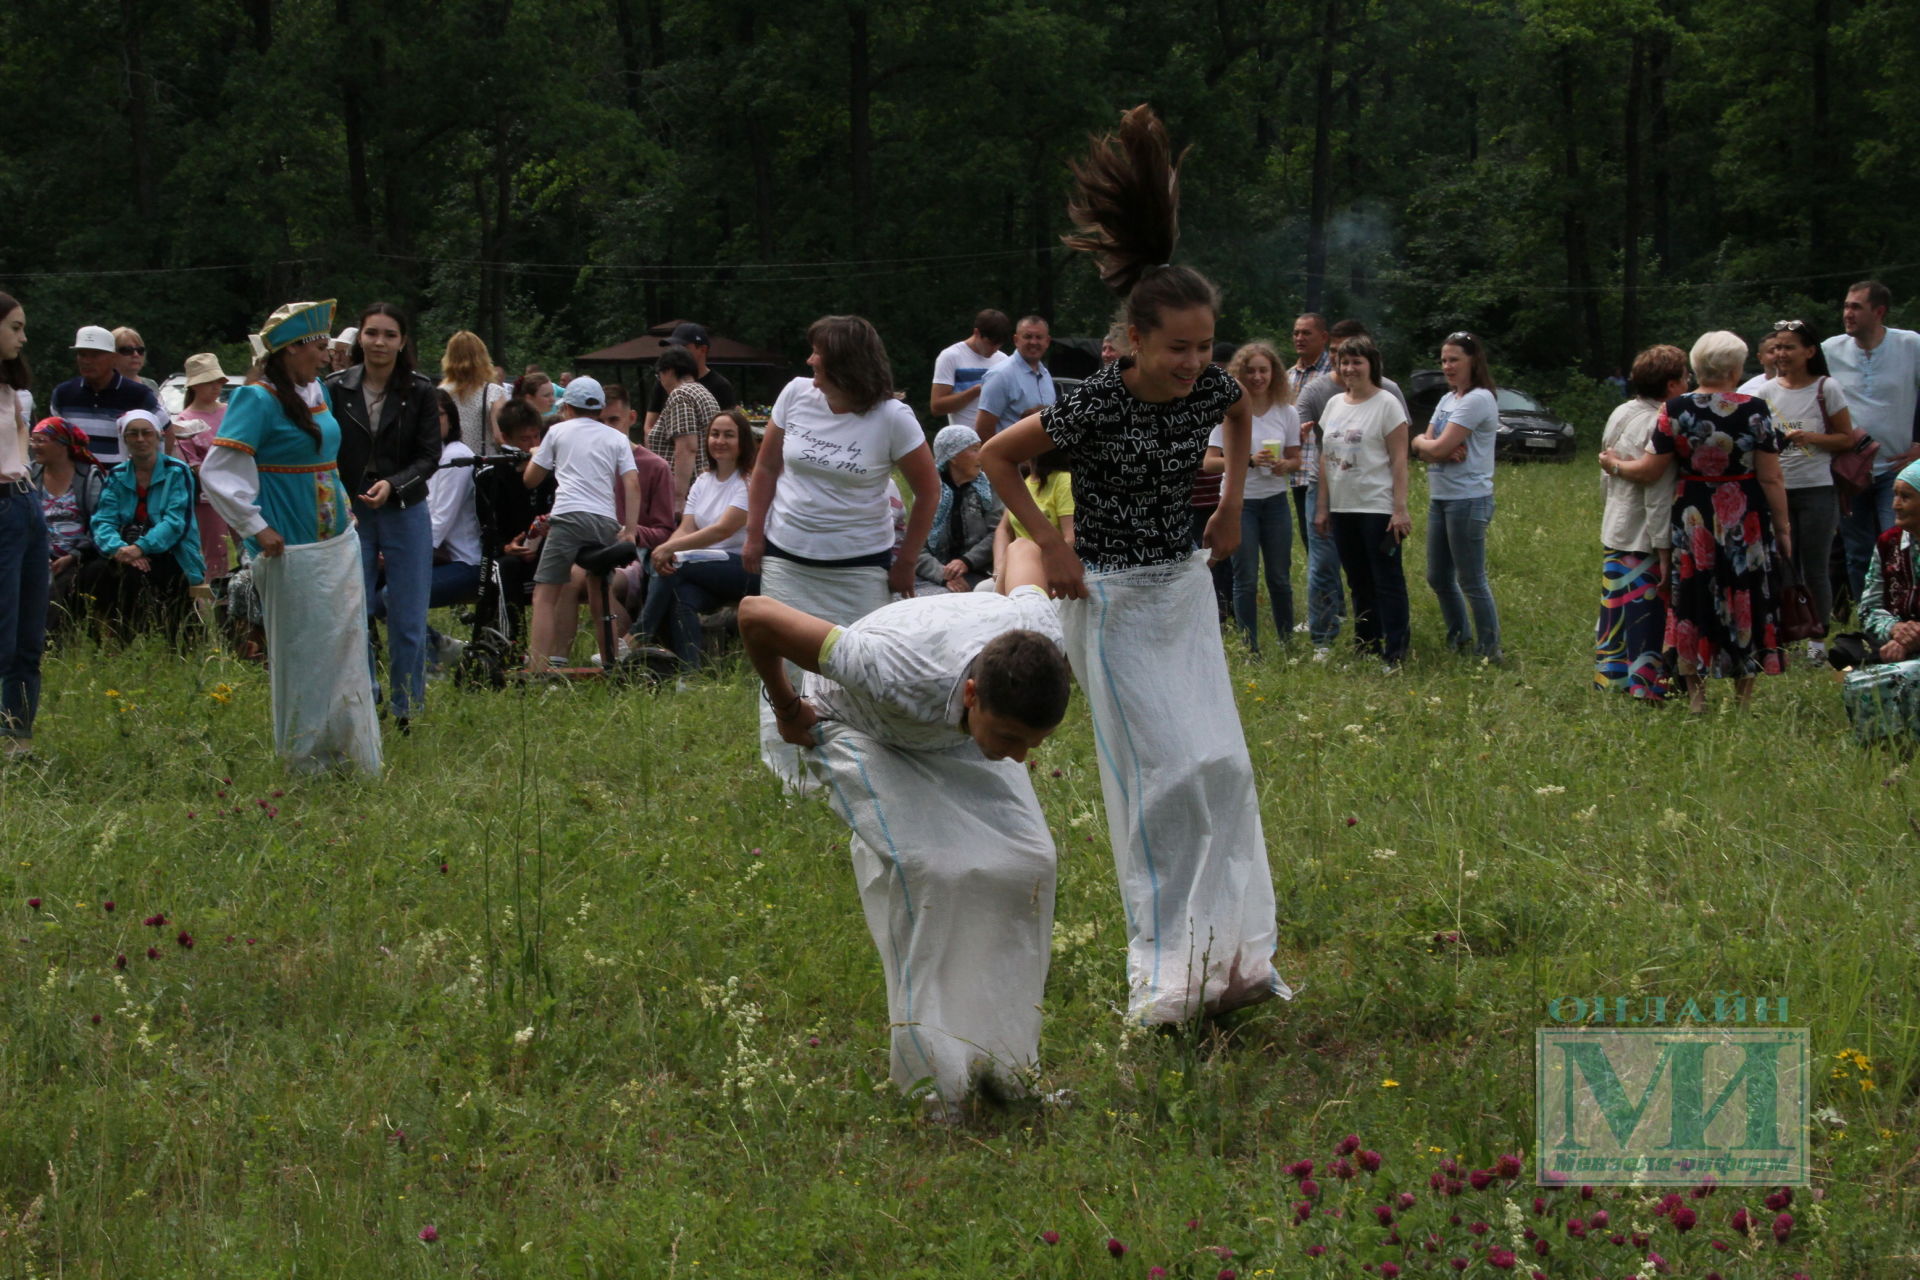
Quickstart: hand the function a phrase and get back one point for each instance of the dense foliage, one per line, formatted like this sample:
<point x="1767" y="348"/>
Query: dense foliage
<point x="1574" y="177"/>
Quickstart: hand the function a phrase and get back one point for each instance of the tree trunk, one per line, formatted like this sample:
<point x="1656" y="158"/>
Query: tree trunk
<point x="1630" y="219"/>
<point x="1659" y="139"/>
<point x="1356" y="264"/>
<point x="502" y="216"/>
<point x="1042" y="250"/>
<point x="859" y="128"/>
<point x="628" y="37"/>
<point x="1573" y="223"/>
<point x="260" y="17"/>
<point x="353" y="124"/>
<point x="1320" y="191"/>
<point x="1821" y="134"/>
<point x="139" y="88"/>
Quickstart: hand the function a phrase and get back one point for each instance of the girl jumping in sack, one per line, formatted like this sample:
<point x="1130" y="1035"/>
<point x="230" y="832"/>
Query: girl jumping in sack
<point x="1136" y="601"/>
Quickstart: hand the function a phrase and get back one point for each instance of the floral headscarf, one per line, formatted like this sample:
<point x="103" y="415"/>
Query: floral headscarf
<point x="72" y="437"/>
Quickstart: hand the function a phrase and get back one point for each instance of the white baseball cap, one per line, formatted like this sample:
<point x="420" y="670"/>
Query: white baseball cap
<point x="348" y="336"/>
<point x="92" y="337"/>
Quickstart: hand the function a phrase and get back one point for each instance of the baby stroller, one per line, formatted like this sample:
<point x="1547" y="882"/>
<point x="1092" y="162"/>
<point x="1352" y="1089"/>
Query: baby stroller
<point x="506" y="510"/>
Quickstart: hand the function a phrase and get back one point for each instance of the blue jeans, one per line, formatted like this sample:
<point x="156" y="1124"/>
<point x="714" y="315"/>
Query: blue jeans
<point x="696" y="587"/>
<point x="1326" y="603"/>
<point x="1457" y="572"/>
<point x="1266" y="536"/>
<point x="1869" y="516"/>
<point x="1371" y="558"/>
<point x="402" y="537"/>
<point x="25" y="579"/>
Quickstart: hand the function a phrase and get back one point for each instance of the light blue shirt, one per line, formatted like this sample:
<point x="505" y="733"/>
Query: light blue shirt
<point x="1881" y="386"/>
<point x="1479" y="414"/>
<point x="1013" y="389"/>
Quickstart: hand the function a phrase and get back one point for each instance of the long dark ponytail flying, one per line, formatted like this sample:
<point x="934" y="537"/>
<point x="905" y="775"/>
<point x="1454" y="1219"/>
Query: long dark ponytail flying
<point x="1126" y="204"/>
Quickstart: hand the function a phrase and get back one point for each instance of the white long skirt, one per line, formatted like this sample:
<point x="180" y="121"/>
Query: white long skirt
<point x="313" y="596"/>
<point x="839" y="595"/>
<point x="1182" y="810"/>
<point x="956" y="873"/>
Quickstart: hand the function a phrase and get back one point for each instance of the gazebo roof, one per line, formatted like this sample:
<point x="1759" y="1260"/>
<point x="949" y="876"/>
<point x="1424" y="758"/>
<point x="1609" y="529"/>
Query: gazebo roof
<point x="646" y="348"/>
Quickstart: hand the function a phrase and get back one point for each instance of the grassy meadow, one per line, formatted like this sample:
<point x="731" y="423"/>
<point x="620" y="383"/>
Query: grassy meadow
<point x="575" y="992"/>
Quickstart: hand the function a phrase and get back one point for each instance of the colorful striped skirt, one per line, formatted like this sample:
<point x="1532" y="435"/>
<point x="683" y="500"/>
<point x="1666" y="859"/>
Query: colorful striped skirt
<point x="1629" y="640"/>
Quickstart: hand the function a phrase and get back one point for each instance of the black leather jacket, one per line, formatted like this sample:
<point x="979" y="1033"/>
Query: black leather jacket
<point x="403" y="448"/>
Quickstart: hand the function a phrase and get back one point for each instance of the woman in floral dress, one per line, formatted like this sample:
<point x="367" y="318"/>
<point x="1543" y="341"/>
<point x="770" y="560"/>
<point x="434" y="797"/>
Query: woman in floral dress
<point x="1729" y="522"/>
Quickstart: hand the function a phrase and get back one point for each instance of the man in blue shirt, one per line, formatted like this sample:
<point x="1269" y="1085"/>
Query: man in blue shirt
<point x="1020" y="386"/>
<point x="95" y="400"/>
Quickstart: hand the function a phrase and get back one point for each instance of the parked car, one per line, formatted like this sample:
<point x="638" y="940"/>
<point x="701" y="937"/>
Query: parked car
<point x="173" y="392"/>
<point x="1528" y="431"/>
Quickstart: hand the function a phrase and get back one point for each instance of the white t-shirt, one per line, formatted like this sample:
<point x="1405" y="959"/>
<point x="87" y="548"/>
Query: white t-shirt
<point x="899" y="673"/>
<point x="960" y="367"/>
<point x="587" y="459"/>
<point x="1756" y="385"/>
<point x="1353" y="448"/>
<point x="1279" y="423"/>
<point x="831" y="503"/>
<point x="709" y="500"/>
<point x="456" y="522"/>
<point x="1882" y="385"/>
<point x="1803" y="466"/>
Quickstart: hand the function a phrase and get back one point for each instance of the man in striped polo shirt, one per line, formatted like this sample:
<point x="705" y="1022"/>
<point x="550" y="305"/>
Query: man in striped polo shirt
<point x="95" y="400"/>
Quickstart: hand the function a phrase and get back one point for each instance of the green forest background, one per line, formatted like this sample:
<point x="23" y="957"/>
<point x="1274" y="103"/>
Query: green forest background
<point x="1572" y="178"/>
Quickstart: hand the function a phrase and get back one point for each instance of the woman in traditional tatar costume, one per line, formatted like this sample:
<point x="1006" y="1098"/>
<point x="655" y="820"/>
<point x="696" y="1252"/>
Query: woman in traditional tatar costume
<point x="271" y="474"/>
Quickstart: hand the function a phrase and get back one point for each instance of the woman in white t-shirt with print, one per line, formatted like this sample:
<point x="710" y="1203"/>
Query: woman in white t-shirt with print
<point x="1266" y="520"/>
<point x="1457" y="447"/>
<point x="1798" y="394"/>
<point x="819" y="527"/>
<point x="699" y="568"/>
<point x="1363" y="491"/>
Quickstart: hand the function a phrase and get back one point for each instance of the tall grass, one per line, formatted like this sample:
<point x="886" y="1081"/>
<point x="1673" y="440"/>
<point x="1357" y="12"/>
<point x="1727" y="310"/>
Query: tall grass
<point x="579" y="988"/>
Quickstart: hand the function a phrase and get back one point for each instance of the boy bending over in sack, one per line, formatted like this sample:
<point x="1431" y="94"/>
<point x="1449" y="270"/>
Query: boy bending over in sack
<point x="919" y="716"/>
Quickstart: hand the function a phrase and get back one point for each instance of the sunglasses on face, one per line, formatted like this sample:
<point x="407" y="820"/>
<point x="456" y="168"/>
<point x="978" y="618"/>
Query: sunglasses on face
<point x="131" y="351"/>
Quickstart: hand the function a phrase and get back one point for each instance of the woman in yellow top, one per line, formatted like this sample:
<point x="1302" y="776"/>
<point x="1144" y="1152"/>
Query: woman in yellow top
<point x="1051" y="485"/>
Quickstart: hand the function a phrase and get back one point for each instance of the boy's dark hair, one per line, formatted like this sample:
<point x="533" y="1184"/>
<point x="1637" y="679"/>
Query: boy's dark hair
<point x="994" y="326"/>
<point x="1024" y="675"/>
<point x="1344" y="329"/>
<point x="614" y="393"/>
<point x="676" y="361"/>
<point x="517" y="415"/>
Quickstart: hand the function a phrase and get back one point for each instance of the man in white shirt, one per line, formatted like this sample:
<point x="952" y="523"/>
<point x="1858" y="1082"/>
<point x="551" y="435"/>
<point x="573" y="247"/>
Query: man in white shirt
<point x="1878" y="369"/>
<point x="1015" y="388"/>
<point x="918" y="718"/>
<point x="587" y="460"/>
<point x="959" y="371"/>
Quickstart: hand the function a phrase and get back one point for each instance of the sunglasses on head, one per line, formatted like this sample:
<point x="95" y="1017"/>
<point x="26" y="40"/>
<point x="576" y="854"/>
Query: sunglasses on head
<point x="1463" y="338"/>
<point x="1789" y="326"/>
<point x="131" y="351"/>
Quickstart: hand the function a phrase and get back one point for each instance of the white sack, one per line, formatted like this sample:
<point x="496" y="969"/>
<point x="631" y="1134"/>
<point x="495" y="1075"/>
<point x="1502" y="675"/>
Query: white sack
<point x="315" y="604"/>
<point x="839" y="596"/>
<point x="956" y="873"/>
<point x="1182" y="810"/>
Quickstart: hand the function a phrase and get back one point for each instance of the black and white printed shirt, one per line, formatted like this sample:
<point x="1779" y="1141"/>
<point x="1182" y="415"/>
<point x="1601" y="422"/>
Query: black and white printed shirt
<point x="1134" y="463"/>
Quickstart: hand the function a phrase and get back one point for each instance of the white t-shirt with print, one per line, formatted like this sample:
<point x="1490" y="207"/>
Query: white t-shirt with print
<point x="1353" y="448"/>
<point x="1803" y="466"/>
<point x="1281" y="423"/>
<point x="960" y="367"/>
<point x="709" y="500"/>
<point x="587" y="459"/>
<point x="831" y="503"/>
<point x="898" y="674"/>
